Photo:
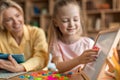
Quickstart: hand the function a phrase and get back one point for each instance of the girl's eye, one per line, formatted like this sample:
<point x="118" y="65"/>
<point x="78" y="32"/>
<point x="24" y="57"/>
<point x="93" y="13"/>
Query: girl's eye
<point x="76" y="19"/>
<point x="65" y="20"/>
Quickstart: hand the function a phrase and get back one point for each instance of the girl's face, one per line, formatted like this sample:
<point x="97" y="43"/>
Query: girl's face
<point x="13" y="20"/>
<point x="68" y="20"/>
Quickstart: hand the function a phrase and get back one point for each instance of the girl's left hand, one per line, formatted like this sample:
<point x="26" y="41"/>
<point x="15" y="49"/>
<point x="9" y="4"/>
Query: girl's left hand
<point x="11" y="65"/>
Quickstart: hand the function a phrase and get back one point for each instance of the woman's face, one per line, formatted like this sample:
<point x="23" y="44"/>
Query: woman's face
<point x="13" y="20"/>
<point x="68" y="20"/>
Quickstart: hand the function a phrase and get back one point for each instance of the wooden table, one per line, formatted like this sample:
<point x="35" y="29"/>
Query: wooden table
<point x="73" y="77"/>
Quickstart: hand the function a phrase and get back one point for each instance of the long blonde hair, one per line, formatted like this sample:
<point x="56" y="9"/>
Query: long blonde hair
<point x="5" y="4"/>
<point x="54" y="34"/>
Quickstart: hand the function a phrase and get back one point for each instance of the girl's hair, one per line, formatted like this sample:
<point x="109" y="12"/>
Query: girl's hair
<point x="5" y="4"/>
<point x="54" y="33"/>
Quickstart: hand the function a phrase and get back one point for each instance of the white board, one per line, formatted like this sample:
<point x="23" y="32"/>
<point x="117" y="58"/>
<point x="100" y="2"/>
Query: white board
<point x="106" y="41"/>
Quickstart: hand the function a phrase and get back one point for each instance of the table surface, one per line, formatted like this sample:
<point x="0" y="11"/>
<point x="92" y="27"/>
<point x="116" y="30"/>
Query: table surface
<point x="36" y="75"/>
<point x="73" y="77"/>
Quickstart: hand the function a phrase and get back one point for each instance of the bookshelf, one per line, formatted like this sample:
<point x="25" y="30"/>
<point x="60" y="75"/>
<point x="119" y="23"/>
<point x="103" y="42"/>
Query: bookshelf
<point x="101" y="14"/>
<point x="36" y="9"/>
<point x="33" y="10"/>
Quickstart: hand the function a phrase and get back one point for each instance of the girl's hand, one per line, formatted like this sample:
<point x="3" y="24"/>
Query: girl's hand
<point x="11" y="65"/>
<point x="88" y="56"/>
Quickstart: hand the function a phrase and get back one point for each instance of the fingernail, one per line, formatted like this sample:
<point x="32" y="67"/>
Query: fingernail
<point x="95" y="48"/>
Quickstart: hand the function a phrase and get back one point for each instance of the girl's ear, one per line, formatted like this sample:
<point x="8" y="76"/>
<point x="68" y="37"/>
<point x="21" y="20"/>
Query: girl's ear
<point x="55" y="22"/>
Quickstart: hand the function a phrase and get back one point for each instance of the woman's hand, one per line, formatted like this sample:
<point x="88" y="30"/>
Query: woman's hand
<point x="88" y="56"/>
<point x="11" y="65"/>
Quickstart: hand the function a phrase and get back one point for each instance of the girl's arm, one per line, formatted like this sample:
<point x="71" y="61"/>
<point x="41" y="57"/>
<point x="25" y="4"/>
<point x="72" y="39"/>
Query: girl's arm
<point x="86" y="57"/>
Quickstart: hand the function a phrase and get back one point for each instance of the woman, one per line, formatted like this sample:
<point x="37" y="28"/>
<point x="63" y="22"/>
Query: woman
<point x="17" y="38"/>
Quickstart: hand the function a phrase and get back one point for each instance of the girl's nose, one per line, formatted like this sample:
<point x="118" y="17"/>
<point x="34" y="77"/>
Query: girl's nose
<point x="71" y="23"/>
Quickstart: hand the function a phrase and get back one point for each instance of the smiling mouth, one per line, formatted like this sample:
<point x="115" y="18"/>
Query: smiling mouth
<point x="71" y="29"/>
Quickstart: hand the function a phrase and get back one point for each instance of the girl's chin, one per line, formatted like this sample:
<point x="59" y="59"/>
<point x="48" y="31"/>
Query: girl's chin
<point x="72" y="33"/>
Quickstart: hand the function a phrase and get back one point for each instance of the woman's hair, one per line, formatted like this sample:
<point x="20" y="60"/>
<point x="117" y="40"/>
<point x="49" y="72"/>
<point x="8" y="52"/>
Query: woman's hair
<point x="54" y="34"/>
<point x="5" y="4"/>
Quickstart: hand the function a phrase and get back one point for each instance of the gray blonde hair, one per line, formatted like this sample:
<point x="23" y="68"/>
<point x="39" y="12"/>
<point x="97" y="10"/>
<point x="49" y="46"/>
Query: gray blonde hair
<point x="5" y="4"/>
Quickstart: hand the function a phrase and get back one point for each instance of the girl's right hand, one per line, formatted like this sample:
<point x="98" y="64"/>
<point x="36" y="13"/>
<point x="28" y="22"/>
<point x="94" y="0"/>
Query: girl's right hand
<point x="88" y="56"/>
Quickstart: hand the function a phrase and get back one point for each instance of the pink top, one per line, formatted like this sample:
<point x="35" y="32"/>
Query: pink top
<point x="73" y="50"/>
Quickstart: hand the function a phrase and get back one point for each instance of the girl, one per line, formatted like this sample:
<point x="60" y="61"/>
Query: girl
<point x="70" y="50"/>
